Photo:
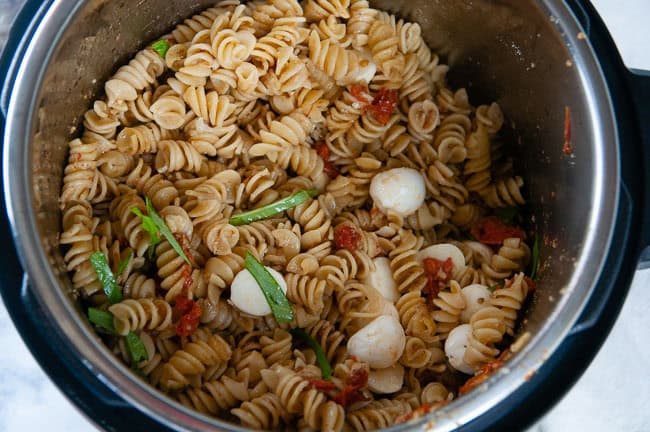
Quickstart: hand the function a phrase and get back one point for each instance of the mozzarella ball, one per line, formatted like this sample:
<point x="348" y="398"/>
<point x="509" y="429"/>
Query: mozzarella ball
<point x="380" y="343"/>
<point x="247" y="296"/>
<point x="455" y="347"/>
<point x="443" y="251"/>
<point x="476" y="297"/>
<point x="381" y="279"/>
<point x="400" y="190"/>
<point x="387" y="380"/>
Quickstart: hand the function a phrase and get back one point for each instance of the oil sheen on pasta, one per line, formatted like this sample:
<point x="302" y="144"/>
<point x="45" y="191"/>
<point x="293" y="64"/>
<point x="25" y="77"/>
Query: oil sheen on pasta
<point x="252" y="103"/>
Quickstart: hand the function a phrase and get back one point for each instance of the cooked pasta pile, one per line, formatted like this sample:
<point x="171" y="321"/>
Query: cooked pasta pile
<point x="247" y="104"/>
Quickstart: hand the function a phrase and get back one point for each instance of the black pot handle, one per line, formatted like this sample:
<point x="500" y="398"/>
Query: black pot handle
<point x="639" y="83"/>
<point x="21" y="31"/>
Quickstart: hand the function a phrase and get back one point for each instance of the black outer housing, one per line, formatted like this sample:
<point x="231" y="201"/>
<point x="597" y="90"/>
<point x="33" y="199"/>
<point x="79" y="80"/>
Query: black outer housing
<point x="630" y="95"/>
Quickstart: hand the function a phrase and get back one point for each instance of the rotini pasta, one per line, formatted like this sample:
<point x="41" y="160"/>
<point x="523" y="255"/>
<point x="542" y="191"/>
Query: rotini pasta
<point x="251" y="104"/>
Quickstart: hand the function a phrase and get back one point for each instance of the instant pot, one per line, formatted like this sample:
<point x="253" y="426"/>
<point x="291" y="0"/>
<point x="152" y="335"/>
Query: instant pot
<point x="591" y="206"/>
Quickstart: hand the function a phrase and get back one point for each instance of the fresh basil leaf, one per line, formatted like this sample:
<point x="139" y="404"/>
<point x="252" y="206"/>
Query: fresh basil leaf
<point x="124" y="263"/>
<point x="136" y="348"/>
<point x="507" y="215"/>
<point x="274" y="295"/>
<point x="325" y="367"/>
<point x="102" y="319"/>
<point x="273" y="208"/>
<point x="491" y="288"/>
<point x="164" y="230"/>
<point x="535" y="260"/>
<point x="161" y="47"/>
<point x="105" y="275"/>
<point x="150" y="227"/>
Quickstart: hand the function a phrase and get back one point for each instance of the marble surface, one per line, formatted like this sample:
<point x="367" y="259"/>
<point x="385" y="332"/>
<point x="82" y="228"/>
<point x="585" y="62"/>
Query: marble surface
<point x="612" y="395"/>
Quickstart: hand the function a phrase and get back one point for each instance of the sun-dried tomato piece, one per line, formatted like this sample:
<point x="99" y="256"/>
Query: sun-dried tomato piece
<point x="351" y="393"/>
<point x="484" y="373"/>
<point x="438" y="273"/>
<point x="324" y="152"/>
<point x="383" y="105"/>
<point x="492" y="231"/>
<point x="190" y="313"/>
<point x="360" y="93"/>
<point x="321" y="384"/>
<point x="183" y="305"/>
<point x="347" y="237"/>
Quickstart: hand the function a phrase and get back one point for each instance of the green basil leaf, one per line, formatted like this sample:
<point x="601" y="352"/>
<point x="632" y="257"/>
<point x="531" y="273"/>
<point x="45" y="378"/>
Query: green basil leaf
<point x="102" y="319"/>
<point x="491" y="288"/>
<point x="164" y="230"/>
<point x="273" y="208"/>
<point x="535" y="261"/>
<point x="136" y="348"/>
<point x="325" y="367"/>
<point x="105" y="275"/>
<point x="507" y="215"/>
<point x="274" y="295"/>
<point x="124" y="263"/>
<point x="150" y="227"/>
<point x="161" y="47"/>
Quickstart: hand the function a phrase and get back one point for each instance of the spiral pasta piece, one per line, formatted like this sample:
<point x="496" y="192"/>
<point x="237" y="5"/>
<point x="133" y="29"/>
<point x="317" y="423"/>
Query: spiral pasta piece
<point x="261" y="413"/>
<point x="384" y="45"/>
<point x="142" y="71"/>
<point x="504" y="193"/>
<point x="487" y="329"/>
<point x="509" y="299"/>
<point x="377" y="414"/>
<point x="316" y="10"/>
<point x="192" y="360"/>
<point x="450" y="304"/>
<point x="217" y="395"/>
<point x="132" y="315"/>
<point x="512" y="256"/>
<point x="177" y="156"/>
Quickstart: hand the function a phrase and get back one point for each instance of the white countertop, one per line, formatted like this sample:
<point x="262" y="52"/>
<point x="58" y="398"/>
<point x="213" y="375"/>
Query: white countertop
<point x="612" y="395"/>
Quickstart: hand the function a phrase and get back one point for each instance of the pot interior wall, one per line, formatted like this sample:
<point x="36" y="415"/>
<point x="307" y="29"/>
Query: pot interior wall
<point x="509" y="51"/>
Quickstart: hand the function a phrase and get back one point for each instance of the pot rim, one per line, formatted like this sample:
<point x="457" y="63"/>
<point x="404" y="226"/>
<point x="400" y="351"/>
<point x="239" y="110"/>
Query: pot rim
<point x="86" y="345"/>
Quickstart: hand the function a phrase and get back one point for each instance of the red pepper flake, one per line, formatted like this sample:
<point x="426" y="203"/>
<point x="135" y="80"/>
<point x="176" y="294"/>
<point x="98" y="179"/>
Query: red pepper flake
<point x="191" y="312"/>
<point x="484" y="373"/>
<point x="420" y="411"/>
<point x="324" y="152"/>
<point x="321" y="384"/>
<point x="360" y="93"/>
<point x="567" y="149"/>
<point x="383" y="105"/>
<point x="438" y="272"/>
<point x="491" y="231"/>
<point x="351" y="393"/>
<point x="347" y="237"/>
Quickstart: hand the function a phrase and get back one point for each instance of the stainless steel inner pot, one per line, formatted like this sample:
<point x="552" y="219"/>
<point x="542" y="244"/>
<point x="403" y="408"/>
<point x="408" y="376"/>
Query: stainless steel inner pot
<point x="527" y="55"/>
